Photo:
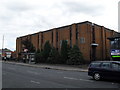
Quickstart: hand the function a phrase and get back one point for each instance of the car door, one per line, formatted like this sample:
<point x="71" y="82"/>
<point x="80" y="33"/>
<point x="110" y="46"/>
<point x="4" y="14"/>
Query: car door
<point x="106" y="70"/>
<point x="116" y="70"/>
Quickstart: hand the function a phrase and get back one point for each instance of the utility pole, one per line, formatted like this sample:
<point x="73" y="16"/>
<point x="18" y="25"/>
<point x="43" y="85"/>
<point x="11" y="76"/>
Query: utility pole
<point x="2" y="45"/>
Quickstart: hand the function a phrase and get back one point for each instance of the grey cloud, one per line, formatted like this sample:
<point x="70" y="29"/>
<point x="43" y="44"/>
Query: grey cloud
<point x="12" y="10"/>
<point x="81" y="7"/>
<point x="18" y="6"/>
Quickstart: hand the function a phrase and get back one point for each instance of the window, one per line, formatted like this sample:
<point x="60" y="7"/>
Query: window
<point x="42" y="38"/>
<point x="115" y="66"/>
<point x="93" y="33"/>
<point x="105" y="65"/>
<point x="82" y="40"/>
<point x="77" y="32"/>
<point x="70" y="36"/>
<point x="115" y="44"/>
<point x="61" y="42"/>
<point x="52" y="36"/>
<point x="95" y="64"/>
<point x="57" y="36"/>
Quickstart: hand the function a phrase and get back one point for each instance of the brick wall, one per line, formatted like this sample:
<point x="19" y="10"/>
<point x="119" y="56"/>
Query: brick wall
<point x="81" y="34"/>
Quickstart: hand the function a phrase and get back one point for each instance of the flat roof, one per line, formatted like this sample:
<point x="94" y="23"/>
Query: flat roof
<point x="64" y="27"/>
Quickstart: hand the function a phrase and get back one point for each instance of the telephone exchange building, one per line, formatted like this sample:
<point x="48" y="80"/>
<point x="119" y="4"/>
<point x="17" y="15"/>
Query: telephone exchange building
<point x="89" y="37"/>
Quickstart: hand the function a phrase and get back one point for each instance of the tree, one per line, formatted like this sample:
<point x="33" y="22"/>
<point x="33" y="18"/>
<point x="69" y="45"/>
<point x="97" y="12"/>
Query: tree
<point x="37" y="56"/>
<point x="75" y="56"/>
<point x="53" y="56"/>
<point x="64" y="51"/>
<point x="46" y="50"/>
<point x="28" y="45"/>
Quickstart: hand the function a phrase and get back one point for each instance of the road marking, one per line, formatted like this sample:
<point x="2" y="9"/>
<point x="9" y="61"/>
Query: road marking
<point x="59" y="72"/>
<point x="34" y="82"/>
<point x="112" y="83"/>
<point x="77" y="79"/>
<point x="11" y="68"/>
<point x="33" y="72"/>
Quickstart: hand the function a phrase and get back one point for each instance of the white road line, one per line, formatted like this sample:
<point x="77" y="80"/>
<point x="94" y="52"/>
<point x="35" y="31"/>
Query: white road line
<point x="70" y="78"/>
<point x="59" y="72"/>
<point x="33" y="72"/>
<point x="113" y="83"/>
<point x="34" y="82"/>
<point x="11" y="68"/>
<point x="77" y="79"/>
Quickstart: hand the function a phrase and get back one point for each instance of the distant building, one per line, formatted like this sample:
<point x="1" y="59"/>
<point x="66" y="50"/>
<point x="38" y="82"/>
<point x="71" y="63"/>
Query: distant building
<point x="89" y="37"/>
<point x="13" y="55"/>
<point x="0" y="52"/>
<point x="6" y="53"/>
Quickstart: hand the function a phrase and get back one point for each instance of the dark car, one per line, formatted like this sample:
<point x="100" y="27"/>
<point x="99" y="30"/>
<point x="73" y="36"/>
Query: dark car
<point x="104" y="70"/>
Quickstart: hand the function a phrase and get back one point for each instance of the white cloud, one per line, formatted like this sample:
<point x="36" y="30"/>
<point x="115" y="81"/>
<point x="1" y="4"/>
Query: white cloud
<point x="21" y="17"/>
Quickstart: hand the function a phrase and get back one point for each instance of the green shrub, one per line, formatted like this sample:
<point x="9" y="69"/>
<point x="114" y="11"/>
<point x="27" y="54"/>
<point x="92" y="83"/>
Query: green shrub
<point x="75" y="56"/>
<point x="28" y="45"/>
<point x="64" y="52"/>
<point x="53" y="56"/>
<point x="46" y="51"/>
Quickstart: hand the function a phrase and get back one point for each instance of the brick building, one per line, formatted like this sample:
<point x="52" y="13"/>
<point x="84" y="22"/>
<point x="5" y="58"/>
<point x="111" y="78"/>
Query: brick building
<point x="90" y="38"/>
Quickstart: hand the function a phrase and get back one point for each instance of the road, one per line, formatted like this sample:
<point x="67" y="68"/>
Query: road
<point x="17" y="76"/>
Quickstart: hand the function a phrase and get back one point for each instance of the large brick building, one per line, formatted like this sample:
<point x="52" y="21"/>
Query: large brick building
<point x="90" y="38"/>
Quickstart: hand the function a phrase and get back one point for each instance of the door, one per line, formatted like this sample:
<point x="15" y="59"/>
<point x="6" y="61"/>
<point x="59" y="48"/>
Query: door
<point x="106" y="70"/>
<point x="116" y="70"/>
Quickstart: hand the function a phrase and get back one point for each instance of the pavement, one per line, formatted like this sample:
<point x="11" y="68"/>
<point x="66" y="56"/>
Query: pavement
<point x="79" y="68"/>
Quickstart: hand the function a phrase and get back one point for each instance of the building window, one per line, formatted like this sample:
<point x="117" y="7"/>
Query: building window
<point x="76" y="32"/>
<point x="38" y="40"/>
<point x="57" y="36"/>
<point x="61" y="42"/>
<point x="70" y="36"/>
<point x="41" y="39"/>
<point x="82" y="40"/>
<point x="52" y="36"/>
<point x="93" y="33"/>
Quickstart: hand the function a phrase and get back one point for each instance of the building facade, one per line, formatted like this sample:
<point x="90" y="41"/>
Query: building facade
<point x="90" y="38"/>
<point x="5" y="53"/>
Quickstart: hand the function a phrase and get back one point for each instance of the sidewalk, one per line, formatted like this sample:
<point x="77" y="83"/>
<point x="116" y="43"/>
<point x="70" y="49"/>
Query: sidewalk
<point x="79" y="68"/>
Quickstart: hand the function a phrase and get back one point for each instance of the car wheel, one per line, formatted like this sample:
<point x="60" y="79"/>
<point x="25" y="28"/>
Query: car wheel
<point x="97" y="76"/>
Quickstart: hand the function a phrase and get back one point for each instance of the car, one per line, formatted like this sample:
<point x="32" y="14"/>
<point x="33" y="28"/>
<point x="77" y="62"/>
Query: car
<point x="104" y="70"/>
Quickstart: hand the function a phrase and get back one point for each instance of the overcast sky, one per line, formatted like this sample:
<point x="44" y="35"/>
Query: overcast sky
<point x="22" y="17"/>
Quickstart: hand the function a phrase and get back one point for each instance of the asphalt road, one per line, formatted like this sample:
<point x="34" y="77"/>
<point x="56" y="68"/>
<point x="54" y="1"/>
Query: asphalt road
<point x="17" y="76"/>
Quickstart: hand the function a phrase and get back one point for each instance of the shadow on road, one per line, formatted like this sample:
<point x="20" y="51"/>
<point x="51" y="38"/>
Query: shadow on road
<point x="107" y="80"/>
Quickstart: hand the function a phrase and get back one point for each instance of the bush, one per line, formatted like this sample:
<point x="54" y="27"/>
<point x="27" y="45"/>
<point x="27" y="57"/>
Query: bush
<point x="53" y="56"/>
<point x="64" y="52"/>
<point x="46" y="51"/>
<point x="75" y="56"/>
<point x="28" y="45"/>
<point x="39" y="57"/>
